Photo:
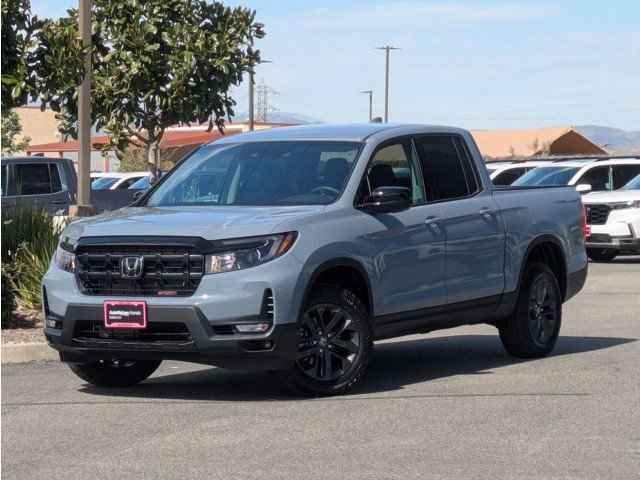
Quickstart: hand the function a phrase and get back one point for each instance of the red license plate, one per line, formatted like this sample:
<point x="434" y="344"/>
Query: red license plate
<point x="118" y="314"/>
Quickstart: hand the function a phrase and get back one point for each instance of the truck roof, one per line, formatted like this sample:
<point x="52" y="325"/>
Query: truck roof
<point x="355" y="132"/>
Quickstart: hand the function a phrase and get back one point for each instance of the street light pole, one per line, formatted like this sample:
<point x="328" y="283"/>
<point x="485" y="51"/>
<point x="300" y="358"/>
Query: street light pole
<point x="252" y="86"/>
<point x="387" y="49"/>
<point x="83" y="206"/>
<point x="370" y="92"/>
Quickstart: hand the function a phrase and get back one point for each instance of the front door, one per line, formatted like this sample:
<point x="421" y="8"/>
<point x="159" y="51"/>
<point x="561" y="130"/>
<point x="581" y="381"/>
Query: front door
<point x="408" y="250"/>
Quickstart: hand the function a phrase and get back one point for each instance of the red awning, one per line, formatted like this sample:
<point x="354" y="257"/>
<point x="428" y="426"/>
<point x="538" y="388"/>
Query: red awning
<point x="171" y="139"/>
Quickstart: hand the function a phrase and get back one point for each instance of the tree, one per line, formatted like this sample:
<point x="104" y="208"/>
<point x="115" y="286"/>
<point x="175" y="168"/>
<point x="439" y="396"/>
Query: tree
<point x="18" y="31"/>
<point x="156" y="63"/>
<point x="11" y="128"/>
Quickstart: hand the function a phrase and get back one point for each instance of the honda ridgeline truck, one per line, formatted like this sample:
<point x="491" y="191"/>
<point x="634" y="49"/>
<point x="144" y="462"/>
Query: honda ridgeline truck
<point x="294" y="249"/>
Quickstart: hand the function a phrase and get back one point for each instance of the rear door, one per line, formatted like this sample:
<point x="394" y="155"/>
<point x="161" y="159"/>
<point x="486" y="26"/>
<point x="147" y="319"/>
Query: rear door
<point x="623" y="174"/>
<point x="468" y="215"/>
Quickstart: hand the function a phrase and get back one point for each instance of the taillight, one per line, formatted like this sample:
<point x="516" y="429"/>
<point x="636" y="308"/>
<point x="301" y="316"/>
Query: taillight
<point x="586" y="231"/>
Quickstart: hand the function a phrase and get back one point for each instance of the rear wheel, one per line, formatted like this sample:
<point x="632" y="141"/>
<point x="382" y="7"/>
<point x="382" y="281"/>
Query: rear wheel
<point x="532" y="330"/>
<point x="115" y="373"/>
<point x="601" y="254"/>
<point x="335" y="343"/>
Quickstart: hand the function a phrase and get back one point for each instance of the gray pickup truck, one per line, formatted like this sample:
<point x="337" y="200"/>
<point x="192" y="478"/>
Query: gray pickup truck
<point x="294" y="249"/>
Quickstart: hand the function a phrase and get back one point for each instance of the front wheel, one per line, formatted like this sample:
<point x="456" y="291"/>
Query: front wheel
<point x="115" y="373"/>
<point x="601" y="254"/>
<point x="335" y="344"/>
<point x="533" y="329"/>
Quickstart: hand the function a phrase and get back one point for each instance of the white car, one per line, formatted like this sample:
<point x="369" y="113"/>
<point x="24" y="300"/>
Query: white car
<point x="614" y="221"/>
<point x="115" y="180"/>
<point x="505" y="173"/>
<point x="586" y="175"/>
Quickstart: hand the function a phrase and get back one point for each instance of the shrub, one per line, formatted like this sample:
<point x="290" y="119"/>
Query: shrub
<point x="8" y="301"/>
<point x="29" y="239"/>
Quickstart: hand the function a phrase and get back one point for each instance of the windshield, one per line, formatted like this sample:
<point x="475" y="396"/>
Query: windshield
<point x="103" y="183"/>
<point x="260" y="173"/>
<point x="547" y="176"/>
<point x="633" y="184"/>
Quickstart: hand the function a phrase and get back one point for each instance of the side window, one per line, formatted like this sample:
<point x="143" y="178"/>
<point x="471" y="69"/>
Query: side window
<point x="5" y="180"/>
<point x="394" y="165"/>
<point x="509" y="176"/>
<point x="446" y="167"/>
<point x="598" y="178"/>
<point x="127" y="183"/>
<point x="54" y="172"/>
<point x="622" y="174"/>
<point x="32" y="178"/>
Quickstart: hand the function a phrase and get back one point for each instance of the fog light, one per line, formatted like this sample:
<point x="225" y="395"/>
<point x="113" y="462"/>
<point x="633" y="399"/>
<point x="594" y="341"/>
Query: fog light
<point x="253" y="327"/>
<point x="53" y="323"/>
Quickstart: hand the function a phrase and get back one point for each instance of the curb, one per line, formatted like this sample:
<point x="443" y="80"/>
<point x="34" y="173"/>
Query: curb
<point x="27" y="352"/>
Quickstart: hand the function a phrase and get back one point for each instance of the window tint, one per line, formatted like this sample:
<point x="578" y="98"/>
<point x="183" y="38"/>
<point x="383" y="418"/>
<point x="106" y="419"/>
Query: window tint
<point x="598" y="178"/>
<point x="56" y="183"/>
<point x="5" y="179"/>
<point x="509" y="176"/>
<point x="623" y="174"/>
<point x="32" y="179"/>
<point x="394" y="166"/>
<point x="446" y="168"/>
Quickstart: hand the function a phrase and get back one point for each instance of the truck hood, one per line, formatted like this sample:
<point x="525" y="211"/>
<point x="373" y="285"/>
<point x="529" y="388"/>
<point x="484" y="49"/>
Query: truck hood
<point x="210" y="223"/>
<point x="617" y="196"/>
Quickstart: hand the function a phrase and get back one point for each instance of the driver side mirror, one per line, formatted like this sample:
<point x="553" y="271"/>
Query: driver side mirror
<point x="583" y="188"/>
<point x="387" y="200"/>
<point x="137" y="195"/>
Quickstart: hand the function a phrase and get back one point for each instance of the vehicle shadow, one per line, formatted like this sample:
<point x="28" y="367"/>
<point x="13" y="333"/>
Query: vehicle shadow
<point x="622" y="259"/>
<point x="394" y="365"/>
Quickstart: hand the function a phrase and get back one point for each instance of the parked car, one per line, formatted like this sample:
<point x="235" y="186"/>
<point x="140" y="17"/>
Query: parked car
<point x="116" y="180"/>
<point x="47" y="184"/>
<point x="50" y="184"/>
<point x="302" y="247"/>
<point x="506" y="173"/>
<point x="586" y="176"/>
<point x="614" y="222"/>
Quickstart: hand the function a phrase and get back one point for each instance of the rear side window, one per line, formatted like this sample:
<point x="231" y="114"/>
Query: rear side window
<point x="623" y="174"/>
<point x="509" y="176"/>
<point x="446" y="167"/>
<point x="35" y="179"/>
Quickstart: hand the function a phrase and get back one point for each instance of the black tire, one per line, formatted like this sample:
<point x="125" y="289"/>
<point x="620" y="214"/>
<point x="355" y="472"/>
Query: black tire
<point x="533" y="329"/>
<point x="115" y="373"/>
<point x="336" y="343"/>
<point x="601" y="254"/>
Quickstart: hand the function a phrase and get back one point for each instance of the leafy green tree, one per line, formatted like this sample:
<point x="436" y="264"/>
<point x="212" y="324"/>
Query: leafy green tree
<point x="11" y="128"/>
<point x="19" y="28"/>
<point x="156" y="63"/>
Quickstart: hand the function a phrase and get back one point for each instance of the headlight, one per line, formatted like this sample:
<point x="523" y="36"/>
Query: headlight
<point x="65" y="260"/>
<point x="249" y="252"/>
<point x="629" y="204"/>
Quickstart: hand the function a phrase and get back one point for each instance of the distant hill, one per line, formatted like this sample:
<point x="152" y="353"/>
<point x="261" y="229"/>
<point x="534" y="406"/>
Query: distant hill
<point x="281" y="117"/>
<point x="612" y="139"/>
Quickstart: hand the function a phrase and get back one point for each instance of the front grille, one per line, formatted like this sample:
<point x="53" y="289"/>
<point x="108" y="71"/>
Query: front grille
<point x="156" y="336"/>
<point x="173" y="271"/>
<point x="597" y="214"/>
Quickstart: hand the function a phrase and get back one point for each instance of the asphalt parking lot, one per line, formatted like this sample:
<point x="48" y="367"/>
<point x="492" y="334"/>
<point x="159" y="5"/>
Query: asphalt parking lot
<point x="450" y="404"/>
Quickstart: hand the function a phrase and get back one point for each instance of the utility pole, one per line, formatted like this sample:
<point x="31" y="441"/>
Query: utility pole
<point x="83" y="206"/>
<point x="370" y="92"/>
<point x="252" y="85"/>
<point x="387" y="49"/>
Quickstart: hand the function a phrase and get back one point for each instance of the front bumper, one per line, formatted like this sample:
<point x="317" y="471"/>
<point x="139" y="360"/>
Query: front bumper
<point x="621" y="232"/>
<point x="197" y="342"/>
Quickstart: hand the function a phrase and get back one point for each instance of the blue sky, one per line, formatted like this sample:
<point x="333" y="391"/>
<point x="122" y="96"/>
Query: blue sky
<point x="471" y="63"/>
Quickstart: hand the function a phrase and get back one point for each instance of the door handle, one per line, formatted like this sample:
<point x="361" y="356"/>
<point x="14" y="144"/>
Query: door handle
<point x="487" y="213"/>
<point x="431" y="221"/>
